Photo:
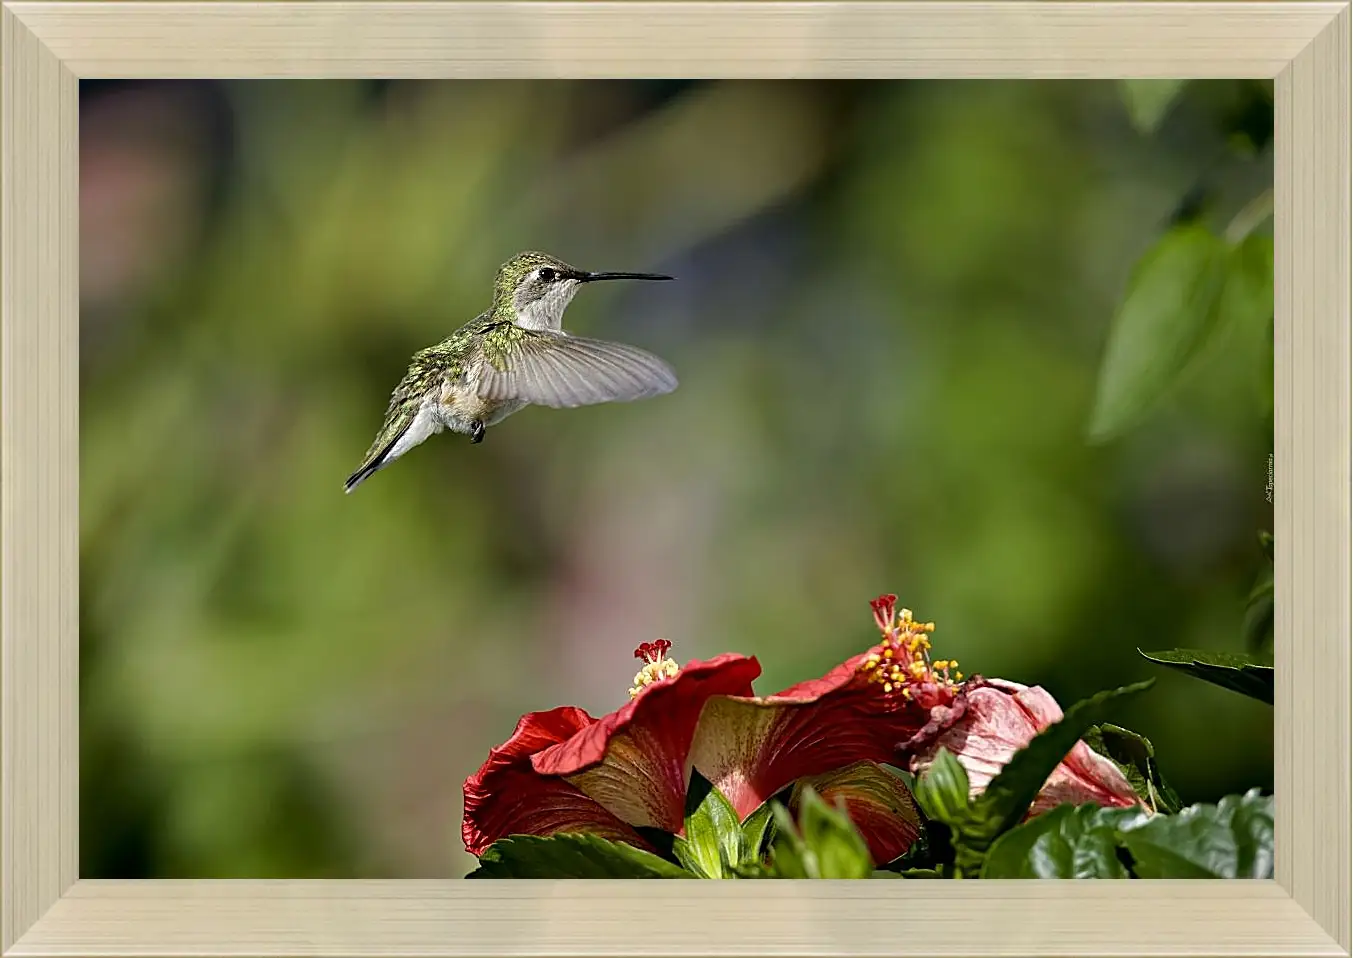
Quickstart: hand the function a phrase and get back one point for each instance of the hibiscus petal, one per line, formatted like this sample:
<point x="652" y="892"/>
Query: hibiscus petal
<point x="524" y="803"/>
<point x="750" y="748"/>
<point x="1086" y="776"/>
<point x="993" y="729"/>
<point x="879" y="804"/>
<point x="535" y="731"/>
<point x="1036" y="701"/>
<point x="811" y="690"/>
<point x="635" y="761"/>
<point x="507" y="797"/>
<point x="992" y="720"/>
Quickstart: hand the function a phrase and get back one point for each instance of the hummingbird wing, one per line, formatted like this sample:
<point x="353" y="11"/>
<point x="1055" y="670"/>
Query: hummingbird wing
<point x="555" y="369"/>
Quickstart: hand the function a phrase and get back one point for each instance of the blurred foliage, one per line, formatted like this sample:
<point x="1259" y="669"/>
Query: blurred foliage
<point x="1258" y="623"/>
<point x="1148" y="101"/>
<point x="1192" y="286"/>
<point x="894" y="303"/>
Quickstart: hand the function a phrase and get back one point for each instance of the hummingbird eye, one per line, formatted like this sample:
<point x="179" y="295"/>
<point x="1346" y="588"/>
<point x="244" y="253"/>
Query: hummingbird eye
<point x="546" y="273"/>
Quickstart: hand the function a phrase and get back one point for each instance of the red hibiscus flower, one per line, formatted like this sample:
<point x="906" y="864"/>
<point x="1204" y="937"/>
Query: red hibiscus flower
<point x="564" y="770"/>
<point x="992" y="719"/>
<point x="567" y="771"/>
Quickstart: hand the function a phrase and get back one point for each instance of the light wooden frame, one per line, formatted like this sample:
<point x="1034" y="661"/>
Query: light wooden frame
<point x="47" y="46"/>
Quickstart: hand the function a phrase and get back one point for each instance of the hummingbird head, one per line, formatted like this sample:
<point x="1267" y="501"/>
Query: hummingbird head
<point x="536" y="288"/>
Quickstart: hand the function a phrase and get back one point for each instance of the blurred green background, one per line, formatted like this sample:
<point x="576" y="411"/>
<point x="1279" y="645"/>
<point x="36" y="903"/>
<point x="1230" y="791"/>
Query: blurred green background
<point x="893" y="303"/>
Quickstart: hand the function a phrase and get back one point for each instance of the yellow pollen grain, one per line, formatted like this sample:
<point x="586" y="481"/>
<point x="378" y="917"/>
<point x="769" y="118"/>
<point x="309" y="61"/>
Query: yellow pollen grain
<point x="652" y="672"/>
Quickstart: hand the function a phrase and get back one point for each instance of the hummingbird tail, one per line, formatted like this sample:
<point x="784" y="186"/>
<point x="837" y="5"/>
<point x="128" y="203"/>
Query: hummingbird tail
<point x="361" y="475"/>
<point x="373" y="465"/>
<point x="404" y="434"/>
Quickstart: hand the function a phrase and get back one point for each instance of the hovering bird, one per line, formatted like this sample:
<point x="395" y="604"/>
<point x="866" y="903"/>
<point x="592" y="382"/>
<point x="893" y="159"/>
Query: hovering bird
<point x="512" y="355"/>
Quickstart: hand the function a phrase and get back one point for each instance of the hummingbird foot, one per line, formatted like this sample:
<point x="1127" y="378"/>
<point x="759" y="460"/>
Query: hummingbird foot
<point x="476" y="431"/>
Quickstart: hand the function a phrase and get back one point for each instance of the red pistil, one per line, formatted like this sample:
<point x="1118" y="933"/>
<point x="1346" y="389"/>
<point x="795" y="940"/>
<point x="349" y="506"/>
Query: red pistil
<point x="657" y="667"/>
<point x="652" y="651"/>
<point x="884" y="607"/>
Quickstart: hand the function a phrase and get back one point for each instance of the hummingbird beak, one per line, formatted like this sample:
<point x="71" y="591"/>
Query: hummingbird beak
<point x="594" y="277"/>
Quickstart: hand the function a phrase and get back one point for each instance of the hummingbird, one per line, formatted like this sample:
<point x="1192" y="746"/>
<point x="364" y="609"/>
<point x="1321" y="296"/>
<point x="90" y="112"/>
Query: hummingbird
<point x="512" y="355"/>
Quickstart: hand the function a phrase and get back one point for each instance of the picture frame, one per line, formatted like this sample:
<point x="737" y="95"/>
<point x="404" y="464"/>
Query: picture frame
<point x="47" y="910"/>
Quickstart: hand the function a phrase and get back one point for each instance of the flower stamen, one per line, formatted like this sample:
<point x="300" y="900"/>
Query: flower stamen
<point x="657" y="667"/>
<point x="901" y="662"/>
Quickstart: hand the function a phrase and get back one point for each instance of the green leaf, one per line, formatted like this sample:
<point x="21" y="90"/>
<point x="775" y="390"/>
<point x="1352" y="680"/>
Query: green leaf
<point x="912" y="873"/>
<point x="1232" y="839"/>
<point x="1148" y="101"/>
<point x="1136" y="757"/>
<point x="825" y="843"/>
<point x="570" y="856"/>
<point x="1008" y="796"/>
<point x="1267" y="360"/>
<point x="1258" y="623"/>
<point x="1246" y="307"/>
<point x="757" y="832"/>
<point x="690" y="860"/>
<point x="1248" y="675"/>
<point x="838" y="846"/>
<point x="1247" y="297"/>
<point x="907" y="873"/>
<point x="871" y="793"/>
<point x="942" y="791"/>
<point x="1247" y="221"/>
<point x="1069" y="841"/>
<point x="1169" y="313"/>
<point x="790" y="857"/>
<point x="713" y="833"/>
